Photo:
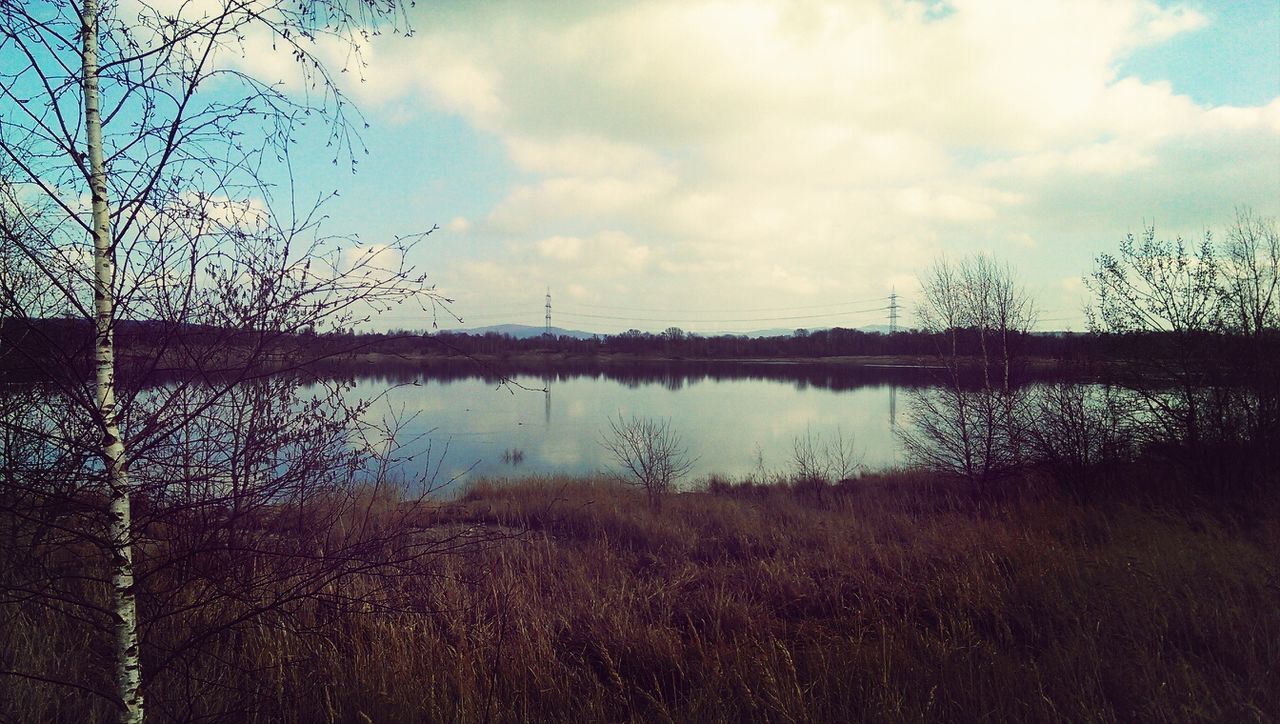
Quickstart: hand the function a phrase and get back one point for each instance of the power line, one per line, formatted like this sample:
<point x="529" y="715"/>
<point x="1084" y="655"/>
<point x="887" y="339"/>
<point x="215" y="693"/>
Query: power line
<point x="444" y="311"/>
<point x="490" y="313"/>
<point x="725" y="311"/>
<point x="893" y="307"/>
<point x="723" y="321"/>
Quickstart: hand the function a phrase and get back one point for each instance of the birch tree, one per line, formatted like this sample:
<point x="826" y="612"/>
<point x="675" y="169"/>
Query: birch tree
<point x="148" y="189"/>
<point x="120" y="547"/>
<point x="979" y="314"/>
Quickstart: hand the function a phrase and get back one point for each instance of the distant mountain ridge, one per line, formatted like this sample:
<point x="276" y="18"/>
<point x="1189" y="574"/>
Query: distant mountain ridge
<point x="525" y="331"/>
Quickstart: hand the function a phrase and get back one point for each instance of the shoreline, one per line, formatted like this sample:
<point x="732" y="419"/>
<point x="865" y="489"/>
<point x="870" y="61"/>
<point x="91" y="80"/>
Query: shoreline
<point x="905" y="362"/>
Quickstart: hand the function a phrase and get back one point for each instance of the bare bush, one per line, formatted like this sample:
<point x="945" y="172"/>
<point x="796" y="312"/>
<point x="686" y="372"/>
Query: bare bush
<point x="830" y="460"/>
<point x="1073" y="428"/>
<point x="650" y="454"/>
<point x="974" y="433"/>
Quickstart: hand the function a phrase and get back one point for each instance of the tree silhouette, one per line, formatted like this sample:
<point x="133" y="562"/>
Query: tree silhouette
<point x="138" y="151"/>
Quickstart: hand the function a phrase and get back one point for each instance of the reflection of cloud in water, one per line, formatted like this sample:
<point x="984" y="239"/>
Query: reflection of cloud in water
<point x="720" y="418"/>
<point x="425" y="402"/>
<point x="479" y="436"/>
<point x="564" y="452"/>
<point x="785" y="423"/>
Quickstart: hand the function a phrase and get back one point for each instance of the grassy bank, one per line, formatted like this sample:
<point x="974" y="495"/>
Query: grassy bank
<point x="893" y="598"/>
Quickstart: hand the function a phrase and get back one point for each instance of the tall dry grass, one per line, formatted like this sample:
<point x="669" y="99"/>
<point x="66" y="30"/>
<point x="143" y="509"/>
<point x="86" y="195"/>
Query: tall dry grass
<point x="891" y="598"/>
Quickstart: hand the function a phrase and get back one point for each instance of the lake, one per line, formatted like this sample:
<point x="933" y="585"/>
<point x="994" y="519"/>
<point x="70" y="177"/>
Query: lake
<point x="731" y="418"/>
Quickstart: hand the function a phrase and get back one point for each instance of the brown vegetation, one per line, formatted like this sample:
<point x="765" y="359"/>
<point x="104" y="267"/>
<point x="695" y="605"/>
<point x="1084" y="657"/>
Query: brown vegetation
<point x="895" y="597"/>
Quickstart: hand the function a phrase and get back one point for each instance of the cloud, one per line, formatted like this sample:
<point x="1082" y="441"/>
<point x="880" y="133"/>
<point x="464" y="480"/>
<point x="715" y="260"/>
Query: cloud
<point x="223" y="212"/>
<point x="463" y="88"/>
<point x="245" y="41"/>
<point x="800" y="150"/>
<point x="606" y="254"/>
<point x="578" y="197"/>
<point x="577" y="155"/>
<point x="370" y="263"/>
<point x="1173" y="21"/>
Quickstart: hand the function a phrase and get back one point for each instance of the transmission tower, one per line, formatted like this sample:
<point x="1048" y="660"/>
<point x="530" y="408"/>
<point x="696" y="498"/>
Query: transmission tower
<point x="546" y="331"/>
<point x="893" y="311"/>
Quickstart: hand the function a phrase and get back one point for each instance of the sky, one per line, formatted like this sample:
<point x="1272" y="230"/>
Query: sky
<point x="730" y="166"/>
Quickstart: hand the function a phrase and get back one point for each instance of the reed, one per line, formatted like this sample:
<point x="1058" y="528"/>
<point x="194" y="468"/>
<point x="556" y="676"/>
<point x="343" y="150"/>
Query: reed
<point x="894" y="597"/>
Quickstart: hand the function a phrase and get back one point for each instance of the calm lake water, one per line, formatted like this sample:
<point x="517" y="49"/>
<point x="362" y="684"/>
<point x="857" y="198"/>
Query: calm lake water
<point x="730" y="421"/>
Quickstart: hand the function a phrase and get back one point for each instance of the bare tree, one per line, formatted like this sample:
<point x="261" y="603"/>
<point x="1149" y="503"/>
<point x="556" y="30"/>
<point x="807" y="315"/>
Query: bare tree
<point x="1197" y="335"/>
<point x="649" y="454"/>
<point x="1251" y="271"/>
<point x="1155" y="285"/>
<point x="980" y="315"/>
<point x="139" y="204"/>
<point x="1251" y="297"/>
<point x="1165" y="298"/>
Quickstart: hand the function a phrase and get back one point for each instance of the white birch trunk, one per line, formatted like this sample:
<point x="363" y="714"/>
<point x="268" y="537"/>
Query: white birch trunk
<point x="128" y="668"/>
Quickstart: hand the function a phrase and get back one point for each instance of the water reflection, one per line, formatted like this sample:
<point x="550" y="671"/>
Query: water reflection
<point x="634" y="374"/>
<point x="731" y="416"/>
<point x="546" y="392"/>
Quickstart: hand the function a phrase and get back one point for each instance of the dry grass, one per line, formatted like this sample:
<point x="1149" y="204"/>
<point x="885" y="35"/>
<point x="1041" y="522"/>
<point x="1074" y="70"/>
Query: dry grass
<point x="892" y="598"/>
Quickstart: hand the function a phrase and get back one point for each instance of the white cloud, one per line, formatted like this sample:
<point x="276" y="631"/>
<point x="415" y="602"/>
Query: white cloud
<point x="577" y="197"/>
<point x="371" y="262"/>
<point x="582" y="156"/>
<point x="1166" y="23"/>
<point x="563" y="248"/>
<point x="806" y="149"/>
<point x="1024" y="240"/>
<point x="603" y="255"/>
<point x="463" y="88"/>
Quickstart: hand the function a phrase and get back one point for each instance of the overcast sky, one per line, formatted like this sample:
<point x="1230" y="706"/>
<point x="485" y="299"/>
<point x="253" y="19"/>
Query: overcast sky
<point x="756" y="164"/>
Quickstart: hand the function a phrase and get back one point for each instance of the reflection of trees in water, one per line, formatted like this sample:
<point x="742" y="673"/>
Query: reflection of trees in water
<point x="251" y="502"/>
<point x="670" y="375"/>
<point x="673" y="375"/>
<point x="207" y="446"/>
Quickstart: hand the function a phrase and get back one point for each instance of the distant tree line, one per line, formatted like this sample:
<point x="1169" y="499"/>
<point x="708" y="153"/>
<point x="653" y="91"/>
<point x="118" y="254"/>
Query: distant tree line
<point x="34" y="338"/>
<point x="31" y="341"/>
